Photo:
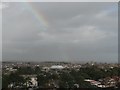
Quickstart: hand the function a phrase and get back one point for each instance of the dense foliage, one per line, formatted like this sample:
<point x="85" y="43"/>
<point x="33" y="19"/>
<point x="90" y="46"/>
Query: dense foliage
<point x="63" y="78"/>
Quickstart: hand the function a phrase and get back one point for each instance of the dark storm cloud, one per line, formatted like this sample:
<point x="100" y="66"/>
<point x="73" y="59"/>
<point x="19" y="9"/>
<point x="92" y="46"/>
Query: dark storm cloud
<point x="76" y="31"/>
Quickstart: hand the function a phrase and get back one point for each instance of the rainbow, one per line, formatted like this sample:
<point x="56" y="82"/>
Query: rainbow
<point x="38" y="14"/>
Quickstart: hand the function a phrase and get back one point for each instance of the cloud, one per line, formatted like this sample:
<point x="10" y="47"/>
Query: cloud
<point x="79" y="31"/>
<point x="3" y="5"/>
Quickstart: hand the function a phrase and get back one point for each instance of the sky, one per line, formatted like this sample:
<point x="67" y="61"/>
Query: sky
<point x="51" y="31"/>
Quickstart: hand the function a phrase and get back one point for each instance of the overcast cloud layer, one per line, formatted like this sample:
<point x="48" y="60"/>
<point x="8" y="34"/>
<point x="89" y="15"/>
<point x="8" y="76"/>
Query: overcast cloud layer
<point x="75" y="32"/>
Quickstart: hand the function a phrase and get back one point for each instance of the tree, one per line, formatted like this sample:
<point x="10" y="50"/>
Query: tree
<point x="5" y="81"/>
<point x="42" y="79"/>
<point x="66" y="80"/>
<point x="16" y="79"/>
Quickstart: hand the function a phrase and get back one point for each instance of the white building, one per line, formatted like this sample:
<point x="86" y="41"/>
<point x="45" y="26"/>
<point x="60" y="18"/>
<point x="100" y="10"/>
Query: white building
<point x="57" y="67"/>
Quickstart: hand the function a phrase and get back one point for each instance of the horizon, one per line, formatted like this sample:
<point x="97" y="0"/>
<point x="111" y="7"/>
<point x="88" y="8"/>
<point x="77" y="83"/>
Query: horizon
<point x="38" y="61"/>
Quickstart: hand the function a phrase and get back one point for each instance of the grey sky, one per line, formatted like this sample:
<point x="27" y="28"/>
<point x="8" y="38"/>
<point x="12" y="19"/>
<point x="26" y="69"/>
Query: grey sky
<point x="60" y="31"/>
